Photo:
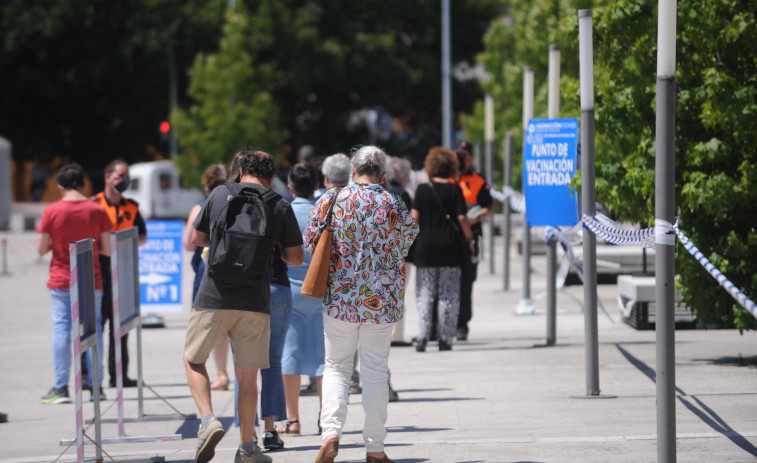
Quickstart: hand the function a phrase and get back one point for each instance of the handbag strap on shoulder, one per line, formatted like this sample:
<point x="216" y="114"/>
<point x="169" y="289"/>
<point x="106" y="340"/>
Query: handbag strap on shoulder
<point x="444" y="208"/>
<point x="331" y="206"/>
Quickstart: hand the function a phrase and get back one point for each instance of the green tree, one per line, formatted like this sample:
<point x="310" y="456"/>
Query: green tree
<point x="716" y="160"/>
<point x="519" y="39"/>
<point x="232" y="105"/>
<point x="333" y="57"/>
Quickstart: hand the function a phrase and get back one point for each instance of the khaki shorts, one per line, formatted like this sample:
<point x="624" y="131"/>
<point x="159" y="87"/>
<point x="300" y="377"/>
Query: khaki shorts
<point x="249" y="332"/>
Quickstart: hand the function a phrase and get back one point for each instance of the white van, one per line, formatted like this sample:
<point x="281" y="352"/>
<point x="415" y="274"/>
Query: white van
<point x="156" y="186"/>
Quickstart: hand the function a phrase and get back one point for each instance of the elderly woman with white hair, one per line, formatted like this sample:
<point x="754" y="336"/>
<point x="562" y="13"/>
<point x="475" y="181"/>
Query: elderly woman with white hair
<point x="373" y="231"/>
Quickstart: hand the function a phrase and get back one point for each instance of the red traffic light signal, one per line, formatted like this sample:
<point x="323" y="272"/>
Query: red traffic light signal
<point x="164" y="127"/>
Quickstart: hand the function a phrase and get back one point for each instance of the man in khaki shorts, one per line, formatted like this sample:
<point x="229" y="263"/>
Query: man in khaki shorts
<point x="241" y="309"/>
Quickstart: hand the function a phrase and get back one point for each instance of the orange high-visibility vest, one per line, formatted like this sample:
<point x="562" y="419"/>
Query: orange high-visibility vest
<point x="121" y="215"/>
<point x="471" y="185"/>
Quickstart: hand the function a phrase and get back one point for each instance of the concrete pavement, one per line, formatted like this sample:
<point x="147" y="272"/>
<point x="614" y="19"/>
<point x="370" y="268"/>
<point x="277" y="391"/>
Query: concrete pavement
<point x="498" y="397"/>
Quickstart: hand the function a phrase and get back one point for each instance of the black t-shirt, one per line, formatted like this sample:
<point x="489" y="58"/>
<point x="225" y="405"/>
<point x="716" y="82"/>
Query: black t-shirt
<point x="216" y="294"/>
<point x="438" y="243"/>
<point x="280" y="270"/>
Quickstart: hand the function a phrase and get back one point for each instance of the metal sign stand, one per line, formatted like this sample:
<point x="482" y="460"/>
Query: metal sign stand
<point x="124" y="245"/>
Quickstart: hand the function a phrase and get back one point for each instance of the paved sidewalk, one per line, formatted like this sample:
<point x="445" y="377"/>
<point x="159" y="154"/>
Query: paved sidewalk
<point x="495" y="398"/>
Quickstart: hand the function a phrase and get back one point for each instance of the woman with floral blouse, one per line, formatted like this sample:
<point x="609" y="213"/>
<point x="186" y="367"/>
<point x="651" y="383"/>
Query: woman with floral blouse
<point x="373" y="231"/>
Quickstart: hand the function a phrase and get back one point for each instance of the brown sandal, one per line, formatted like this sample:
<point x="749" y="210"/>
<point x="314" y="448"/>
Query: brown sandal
<point x="286" y="431"/>
<point x="329" y="451"/>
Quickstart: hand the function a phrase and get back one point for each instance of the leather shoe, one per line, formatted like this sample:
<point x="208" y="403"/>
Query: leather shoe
<point x="372" y="459"/>
<point x="329" y="450"/>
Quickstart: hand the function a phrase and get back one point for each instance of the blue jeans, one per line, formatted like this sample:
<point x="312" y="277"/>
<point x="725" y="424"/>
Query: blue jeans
<point x="272" y="399"/>
<point x="62" y="347"/>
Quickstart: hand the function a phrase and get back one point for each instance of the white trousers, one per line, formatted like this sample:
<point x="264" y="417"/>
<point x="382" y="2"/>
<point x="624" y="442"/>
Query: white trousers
<point x="372" y="342"/>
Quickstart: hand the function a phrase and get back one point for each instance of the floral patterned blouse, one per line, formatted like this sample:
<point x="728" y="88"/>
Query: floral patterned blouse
<point x="373" y="231"/>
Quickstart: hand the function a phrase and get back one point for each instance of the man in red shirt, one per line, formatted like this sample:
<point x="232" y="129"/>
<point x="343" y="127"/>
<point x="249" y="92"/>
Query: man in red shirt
<point x="73" y="218"/>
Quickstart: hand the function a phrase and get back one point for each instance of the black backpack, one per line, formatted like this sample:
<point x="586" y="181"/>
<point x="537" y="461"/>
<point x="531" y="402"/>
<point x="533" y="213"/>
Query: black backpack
<point x="241" y="239"/>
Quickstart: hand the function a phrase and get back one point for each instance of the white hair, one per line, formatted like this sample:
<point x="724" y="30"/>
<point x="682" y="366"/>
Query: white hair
<point x="337" y="168"/>
<point x="369" y="160"/>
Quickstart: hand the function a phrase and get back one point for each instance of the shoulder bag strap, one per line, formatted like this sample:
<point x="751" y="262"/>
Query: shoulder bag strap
<point x="449" y="217"/>
<point x="331" y="207"/>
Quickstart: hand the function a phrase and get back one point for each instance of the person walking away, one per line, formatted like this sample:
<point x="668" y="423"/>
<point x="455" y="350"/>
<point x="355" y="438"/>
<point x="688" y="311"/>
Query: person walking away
<point x="72" y="218"/>
<point x="213" y="176"/>
<point x="336" y="173"/>
<point x="439" y="254"/>
<point x="237" y="303"/>
<point x="272" y="398"/>
<point x="123" y="214"/>
<point x="477" y="197"/>
<point x="303" y="348"/>
<point x="373" y="231"/>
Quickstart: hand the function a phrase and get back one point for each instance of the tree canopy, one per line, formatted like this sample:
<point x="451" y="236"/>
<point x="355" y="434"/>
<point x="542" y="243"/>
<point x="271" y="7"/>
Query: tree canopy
<point x="716" y="160"/>
<point x="88" y="80"/>
<point x="233" y="106"/>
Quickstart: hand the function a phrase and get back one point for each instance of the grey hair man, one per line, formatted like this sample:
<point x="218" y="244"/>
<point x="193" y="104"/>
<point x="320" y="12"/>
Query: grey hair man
<point x="336" y="170"/>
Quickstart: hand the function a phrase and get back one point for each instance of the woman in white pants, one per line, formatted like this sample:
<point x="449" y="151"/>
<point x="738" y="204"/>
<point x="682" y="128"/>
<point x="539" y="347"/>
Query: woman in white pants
<point x="373" y="231"/>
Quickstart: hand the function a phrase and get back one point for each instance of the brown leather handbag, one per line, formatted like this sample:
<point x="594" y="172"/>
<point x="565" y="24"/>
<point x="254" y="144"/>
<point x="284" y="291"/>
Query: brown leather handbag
<point x="316" y="279"/>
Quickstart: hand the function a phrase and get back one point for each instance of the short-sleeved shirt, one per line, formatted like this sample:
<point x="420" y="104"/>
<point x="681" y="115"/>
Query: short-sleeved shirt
<point x="438" y="244"/>
<point x="217" y="294"/>
<point x="302" y="208"/>
<point x="66" y="221"/>
<point x="279" y="268"/>
<point x="373" y="232"/>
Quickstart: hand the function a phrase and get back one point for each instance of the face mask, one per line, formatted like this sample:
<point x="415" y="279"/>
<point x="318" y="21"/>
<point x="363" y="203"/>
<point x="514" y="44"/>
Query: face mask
<point x="121" y="183"/>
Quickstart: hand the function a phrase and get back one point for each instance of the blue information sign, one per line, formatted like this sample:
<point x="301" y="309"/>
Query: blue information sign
<point x="549" y="162"/>
<point x="160" y="267"/>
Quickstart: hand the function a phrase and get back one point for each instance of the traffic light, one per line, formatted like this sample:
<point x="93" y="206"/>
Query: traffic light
<point x="165" y="128"/>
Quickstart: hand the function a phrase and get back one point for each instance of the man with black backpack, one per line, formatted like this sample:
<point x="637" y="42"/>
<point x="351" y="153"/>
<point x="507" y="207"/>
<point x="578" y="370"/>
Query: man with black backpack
<point x="239" y="224"/>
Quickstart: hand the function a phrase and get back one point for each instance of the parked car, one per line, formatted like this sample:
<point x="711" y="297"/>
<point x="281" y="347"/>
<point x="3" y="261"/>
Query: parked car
<point x="158" y="189"/>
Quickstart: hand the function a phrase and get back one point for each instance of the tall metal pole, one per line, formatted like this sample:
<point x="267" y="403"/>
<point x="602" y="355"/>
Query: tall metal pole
<point x="664" y="242"/>
<point x="526" y="305"/>
<point x="553" y="74"/>
<point x="508" y="183"/>
<point x="553" y="112"/>
<point x="588" y="200"/>
<point x="489" y="136"/>
<point x="446" y="78"/>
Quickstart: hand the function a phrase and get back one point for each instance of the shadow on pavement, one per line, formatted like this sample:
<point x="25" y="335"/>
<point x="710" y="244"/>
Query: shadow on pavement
<point x="430" y="389"/>
<point x="440" y="399"/>
<point x="739" y="361"/>
<point x="702" y="411"/>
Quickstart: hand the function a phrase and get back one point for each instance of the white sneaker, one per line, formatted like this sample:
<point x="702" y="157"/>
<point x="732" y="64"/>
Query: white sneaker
<point x="207" y="439"/>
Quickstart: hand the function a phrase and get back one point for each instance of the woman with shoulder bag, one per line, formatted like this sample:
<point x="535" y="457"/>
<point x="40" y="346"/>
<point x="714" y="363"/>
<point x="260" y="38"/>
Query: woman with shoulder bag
<point x="372" y="233"/>
<point x="441" y="249"/>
